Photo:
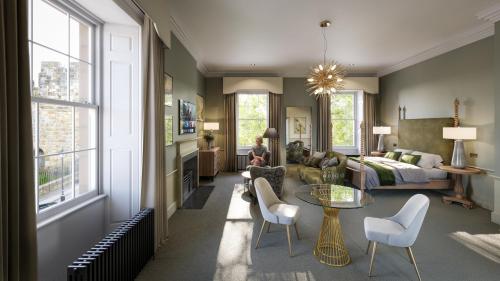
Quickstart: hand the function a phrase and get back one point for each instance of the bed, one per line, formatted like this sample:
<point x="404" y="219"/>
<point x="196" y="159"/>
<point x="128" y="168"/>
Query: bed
<point x="423" y="135"/>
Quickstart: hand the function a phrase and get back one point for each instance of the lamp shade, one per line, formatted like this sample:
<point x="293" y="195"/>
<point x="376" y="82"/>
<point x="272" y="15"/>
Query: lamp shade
<point x="271" y="133"/>
<point x="382" y="130"/>
<point x="459" y="133"/>
<point x="214" y="126"/>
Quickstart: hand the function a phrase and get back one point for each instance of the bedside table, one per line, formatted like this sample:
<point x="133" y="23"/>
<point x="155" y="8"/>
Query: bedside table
<point x="460" y="196"/>
<point x="377" y="153"/>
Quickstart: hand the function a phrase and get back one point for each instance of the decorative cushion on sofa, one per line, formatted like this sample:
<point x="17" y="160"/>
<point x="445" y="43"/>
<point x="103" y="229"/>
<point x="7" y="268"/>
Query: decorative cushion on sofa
<point x="319" y="155"/>
<point x="315" y="162"/>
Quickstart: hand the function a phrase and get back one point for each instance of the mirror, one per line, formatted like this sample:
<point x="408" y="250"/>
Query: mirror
<point x="298" y="129"/>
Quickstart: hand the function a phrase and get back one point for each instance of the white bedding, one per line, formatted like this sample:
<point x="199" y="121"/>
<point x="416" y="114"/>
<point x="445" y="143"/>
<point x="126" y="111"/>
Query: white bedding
<point x="403" y="172"/>
<point x="436" y="174"/>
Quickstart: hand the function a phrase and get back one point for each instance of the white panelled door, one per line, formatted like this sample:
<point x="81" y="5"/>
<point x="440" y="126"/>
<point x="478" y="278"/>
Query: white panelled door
<point x="121" y="132"/>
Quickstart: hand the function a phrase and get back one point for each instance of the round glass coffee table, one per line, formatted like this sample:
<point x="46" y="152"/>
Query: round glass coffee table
<point x="330" y="248"/>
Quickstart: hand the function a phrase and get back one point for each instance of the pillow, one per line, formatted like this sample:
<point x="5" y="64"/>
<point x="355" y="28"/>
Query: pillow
<point x="315" y="161"/>
<point x="324" y="163"/>
<point x="330" y="162"/>
<point x="403" y="151"/>
<point x="319" y="155"/>
<point x="428" y="160"/>
<point x="410" y="159"/>
<point x="393" y="155"/>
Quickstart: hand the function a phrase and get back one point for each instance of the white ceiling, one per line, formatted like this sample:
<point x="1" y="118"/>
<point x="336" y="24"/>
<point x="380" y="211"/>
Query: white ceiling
<point x="283" y="37"/>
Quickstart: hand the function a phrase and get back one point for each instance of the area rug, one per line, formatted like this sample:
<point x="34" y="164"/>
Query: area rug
<point x="199" y="197"/>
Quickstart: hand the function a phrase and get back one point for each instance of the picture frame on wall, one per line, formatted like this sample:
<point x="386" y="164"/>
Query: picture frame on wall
<point x="169" y="129"/>
<point x="187" y="117"/>
<point x="168" y="88"/>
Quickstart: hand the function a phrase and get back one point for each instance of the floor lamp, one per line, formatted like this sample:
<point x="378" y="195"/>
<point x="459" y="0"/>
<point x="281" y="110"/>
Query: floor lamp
<point x="271" y="134"/>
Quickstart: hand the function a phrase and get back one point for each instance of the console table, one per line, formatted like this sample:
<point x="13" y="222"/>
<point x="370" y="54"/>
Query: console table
<point x="209" y="160"/>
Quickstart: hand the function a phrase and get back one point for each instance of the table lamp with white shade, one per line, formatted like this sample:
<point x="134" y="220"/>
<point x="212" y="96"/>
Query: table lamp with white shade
<point x="381" y="131"/>
<point x="459" y="134"/>
<point x="210" y="127"/>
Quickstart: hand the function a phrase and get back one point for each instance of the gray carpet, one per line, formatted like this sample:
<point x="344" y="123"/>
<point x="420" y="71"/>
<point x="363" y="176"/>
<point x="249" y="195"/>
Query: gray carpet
<point x="217" y="242"/>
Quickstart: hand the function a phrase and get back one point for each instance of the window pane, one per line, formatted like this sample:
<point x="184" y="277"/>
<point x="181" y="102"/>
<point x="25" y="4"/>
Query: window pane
<point x="50" y="26"/>
<point x="343" y="132"/>
<point x="34" y="125"/>
<point x="50" y="74"/>
<point x="85" y="128"/>
<point x="169" y="131"/>
<point x="55" y="179"/>
<point x="248" y="130"/>
<point x="252" y="106"/>
<point x="56" y="128"/>
<point x="80" y="81"/>
<point x="342" y="106"/>
<point x="80" y="40"/>
<point x="85" y="172"/>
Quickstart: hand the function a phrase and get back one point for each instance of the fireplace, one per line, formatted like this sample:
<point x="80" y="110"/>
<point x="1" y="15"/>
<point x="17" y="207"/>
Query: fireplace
<point x="189" y="174"/>
<point x="187" y="170"/>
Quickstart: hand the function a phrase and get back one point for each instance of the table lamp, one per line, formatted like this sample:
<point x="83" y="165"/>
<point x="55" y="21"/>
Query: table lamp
<point x="381" y="131"/>
<point x="210" y="127"/>
<point x="459" y="134"/>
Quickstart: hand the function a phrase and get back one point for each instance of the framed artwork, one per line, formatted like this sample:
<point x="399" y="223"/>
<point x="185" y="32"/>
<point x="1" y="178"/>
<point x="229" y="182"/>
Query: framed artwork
<point x="169" y="129"/>
<point x="168" y="88"/>
<point x="200" y="108"/>
<point x="299" y="125"/>
<point x="187" y="117"/>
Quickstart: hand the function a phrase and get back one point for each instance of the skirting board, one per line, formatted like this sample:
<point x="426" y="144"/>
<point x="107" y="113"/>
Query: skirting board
<point x="171" y="209"/>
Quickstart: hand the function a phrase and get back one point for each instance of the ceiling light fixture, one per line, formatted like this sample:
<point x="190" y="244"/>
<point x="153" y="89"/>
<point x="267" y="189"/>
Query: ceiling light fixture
<point x="326" y="78"/>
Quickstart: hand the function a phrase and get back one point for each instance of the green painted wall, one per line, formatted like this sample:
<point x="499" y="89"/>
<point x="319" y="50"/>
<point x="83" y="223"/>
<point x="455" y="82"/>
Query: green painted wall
<point x="187" y="83"/>
<point x="428" y="90"/>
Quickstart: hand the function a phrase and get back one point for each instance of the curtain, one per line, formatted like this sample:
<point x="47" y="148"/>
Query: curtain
<point x="230" y="126"/>
<point x="275" y="122"/>
<point x="153" y="173"/>
<point x="324" y="141"/>
<point x="369" y="116"/>
<point x="18" y="246"/>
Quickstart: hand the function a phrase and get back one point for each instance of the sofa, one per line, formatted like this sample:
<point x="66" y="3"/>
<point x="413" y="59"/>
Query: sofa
<point x="316" y="175"/>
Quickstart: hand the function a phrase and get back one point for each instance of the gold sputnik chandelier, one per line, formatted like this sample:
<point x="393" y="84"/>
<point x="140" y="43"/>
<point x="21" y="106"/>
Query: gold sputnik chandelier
<point x="326" y="78"/>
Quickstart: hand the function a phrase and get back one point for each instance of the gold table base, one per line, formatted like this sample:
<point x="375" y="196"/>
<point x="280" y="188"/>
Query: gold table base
<point x="330" y="248"/>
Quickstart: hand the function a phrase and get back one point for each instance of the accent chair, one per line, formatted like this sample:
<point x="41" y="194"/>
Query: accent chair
<point x="274" y="175"/>
<point x="400" y="230"/>
<point x="275" y="211"/>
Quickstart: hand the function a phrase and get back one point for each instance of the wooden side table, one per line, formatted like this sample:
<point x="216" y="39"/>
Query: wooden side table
<point x="377" y="153"/>
<point x="460" y="196"/>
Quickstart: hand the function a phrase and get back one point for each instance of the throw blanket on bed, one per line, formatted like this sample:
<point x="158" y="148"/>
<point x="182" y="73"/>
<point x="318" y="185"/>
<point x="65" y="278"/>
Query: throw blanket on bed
<point x="385" y="172"/>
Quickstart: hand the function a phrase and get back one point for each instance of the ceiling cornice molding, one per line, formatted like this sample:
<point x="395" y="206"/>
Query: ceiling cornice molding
<point x="186" y="40"/>
<point x="491" y="14"/>
<point x="459" y="40"/>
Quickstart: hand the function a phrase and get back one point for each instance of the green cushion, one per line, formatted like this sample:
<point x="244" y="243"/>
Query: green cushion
<point x="410" y="159"/>
<point x="393" y="155"/>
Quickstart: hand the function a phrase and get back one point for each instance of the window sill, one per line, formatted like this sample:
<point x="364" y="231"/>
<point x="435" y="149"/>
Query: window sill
<point x="69" y="211"/>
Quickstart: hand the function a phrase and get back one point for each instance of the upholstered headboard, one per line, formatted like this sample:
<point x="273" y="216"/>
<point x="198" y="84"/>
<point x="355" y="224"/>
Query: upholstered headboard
<point x="426" y="135"/>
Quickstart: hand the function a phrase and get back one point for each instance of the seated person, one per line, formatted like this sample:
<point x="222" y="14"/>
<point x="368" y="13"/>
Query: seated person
<point x="259" y="153"/>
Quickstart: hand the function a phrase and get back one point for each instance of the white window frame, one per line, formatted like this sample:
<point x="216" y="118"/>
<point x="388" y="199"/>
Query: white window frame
<point x="354" y="147"/>
<point x="244" y="149"/>
<point x="81" y="14"/>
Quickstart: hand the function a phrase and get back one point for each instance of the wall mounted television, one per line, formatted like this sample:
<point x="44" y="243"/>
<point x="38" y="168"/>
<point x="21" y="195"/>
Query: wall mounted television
<point x="187" y="117"/>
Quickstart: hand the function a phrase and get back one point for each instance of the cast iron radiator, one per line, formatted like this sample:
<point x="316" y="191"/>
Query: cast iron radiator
<point x="121" y="255"/>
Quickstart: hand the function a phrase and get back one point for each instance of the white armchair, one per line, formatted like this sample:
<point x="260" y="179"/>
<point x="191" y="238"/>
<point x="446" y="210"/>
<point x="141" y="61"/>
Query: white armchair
<point x="275" y="211"/>
<point x="400" y="230"/>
